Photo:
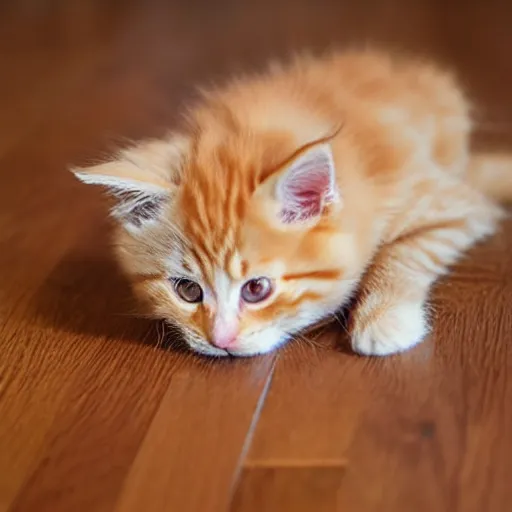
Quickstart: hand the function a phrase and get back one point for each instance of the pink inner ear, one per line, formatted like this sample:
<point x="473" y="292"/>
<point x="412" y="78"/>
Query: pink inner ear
<point x="307" y="187"/>
<point x="304" y="197"/>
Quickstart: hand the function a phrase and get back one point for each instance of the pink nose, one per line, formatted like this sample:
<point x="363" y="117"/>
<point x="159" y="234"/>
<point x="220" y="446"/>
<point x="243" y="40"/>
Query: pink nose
<point x="225" y="333"/>
<point x="224" y="340"/>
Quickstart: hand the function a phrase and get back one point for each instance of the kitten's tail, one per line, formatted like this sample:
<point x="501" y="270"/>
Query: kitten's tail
<point x="491" y="173"/>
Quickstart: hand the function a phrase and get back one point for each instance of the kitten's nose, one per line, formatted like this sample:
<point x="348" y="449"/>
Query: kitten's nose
<point x="224" y="335"/>
<point x="225" y="332"/>
<point x="224" y="340"/>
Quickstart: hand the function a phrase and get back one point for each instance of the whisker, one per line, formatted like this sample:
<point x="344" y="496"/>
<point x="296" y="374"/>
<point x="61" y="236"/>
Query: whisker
<point x="336" y="318"/>
<point x="160" y="336"/>
<point x="300" y="337"/>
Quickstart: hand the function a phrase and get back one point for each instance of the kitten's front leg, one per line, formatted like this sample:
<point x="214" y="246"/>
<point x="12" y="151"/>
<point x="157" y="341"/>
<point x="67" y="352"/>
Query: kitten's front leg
<point x="390" y="315"/>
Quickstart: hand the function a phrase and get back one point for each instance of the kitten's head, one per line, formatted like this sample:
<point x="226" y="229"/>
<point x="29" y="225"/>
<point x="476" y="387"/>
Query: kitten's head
<point x="238" y="241"/>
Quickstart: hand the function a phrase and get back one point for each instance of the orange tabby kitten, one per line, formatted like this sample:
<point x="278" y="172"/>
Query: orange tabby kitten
<point x="287" y="192"/>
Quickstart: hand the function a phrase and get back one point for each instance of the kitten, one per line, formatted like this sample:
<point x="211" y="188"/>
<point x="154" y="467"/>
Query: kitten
<point x="285" y="193"/>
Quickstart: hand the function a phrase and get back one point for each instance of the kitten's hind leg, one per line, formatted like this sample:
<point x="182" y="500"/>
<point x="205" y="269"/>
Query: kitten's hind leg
<point x="390" y="315"/>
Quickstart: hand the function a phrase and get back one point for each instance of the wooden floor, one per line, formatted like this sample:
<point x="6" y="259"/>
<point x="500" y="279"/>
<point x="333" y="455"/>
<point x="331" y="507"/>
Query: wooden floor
<point x="97" y="415"/>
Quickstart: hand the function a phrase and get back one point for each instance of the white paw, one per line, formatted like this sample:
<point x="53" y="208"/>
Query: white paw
<point x="397" y="328"/>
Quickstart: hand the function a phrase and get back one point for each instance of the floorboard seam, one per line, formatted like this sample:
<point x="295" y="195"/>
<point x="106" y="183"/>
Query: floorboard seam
<point x="250" y="432"/>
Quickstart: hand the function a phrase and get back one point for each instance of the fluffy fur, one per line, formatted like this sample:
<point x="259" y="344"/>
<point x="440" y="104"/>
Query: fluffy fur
<point x="345" y="173"/>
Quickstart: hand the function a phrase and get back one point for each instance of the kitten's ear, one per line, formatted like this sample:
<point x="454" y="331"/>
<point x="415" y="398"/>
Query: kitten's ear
<point x="137" y="199"/>
<point x="307" y="185"/>
<point x="141" y="181"/>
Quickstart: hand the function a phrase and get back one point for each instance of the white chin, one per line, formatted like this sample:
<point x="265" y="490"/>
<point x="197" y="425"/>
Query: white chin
<point x="257" y="347"/>
<point x="252" y="346"/>
<point x="207" y="350"/>
<point x="247" y="352"/>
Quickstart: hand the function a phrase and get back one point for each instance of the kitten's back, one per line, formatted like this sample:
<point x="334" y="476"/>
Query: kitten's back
<point x="369" y="92"/>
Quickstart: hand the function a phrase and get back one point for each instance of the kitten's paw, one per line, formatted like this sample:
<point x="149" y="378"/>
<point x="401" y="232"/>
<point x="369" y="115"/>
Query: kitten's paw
<point x="381" y="331"/>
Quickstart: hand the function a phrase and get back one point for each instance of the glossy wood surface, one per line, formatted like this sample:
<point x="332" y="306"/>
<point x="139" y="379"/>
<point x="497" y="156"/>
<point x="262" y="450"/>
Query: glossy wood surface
<point x="97" y="414"/>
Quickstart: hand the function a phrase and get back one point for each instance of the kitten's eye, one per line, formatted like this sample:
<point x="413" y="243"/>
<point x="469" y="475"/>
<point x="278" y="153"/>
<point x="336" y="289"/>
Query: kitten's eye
<point x="188" y="290"/>
<point x="257" y="290"/>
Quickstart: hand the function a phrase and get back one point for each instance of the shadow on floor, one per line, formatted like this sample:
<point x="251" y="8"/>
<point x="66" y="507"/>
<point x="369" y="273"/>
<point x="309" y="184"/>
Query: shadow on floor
<point x="86" y="293"/>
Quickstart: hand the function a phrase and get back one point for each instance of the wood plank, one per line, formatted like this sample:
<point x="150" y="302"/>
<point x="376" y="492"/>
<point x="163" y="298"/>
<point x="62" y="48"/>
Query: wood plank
<point x="192" y="452"/>
<point x="42" y="358"/>
<point x="98" y="428"/>
<point x="300" y="489"/>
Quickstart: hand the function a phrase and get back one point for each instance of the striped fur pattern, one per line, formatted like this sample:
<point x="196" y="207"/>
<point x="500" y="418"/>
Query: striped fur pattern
<point x="327" y="177"/>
